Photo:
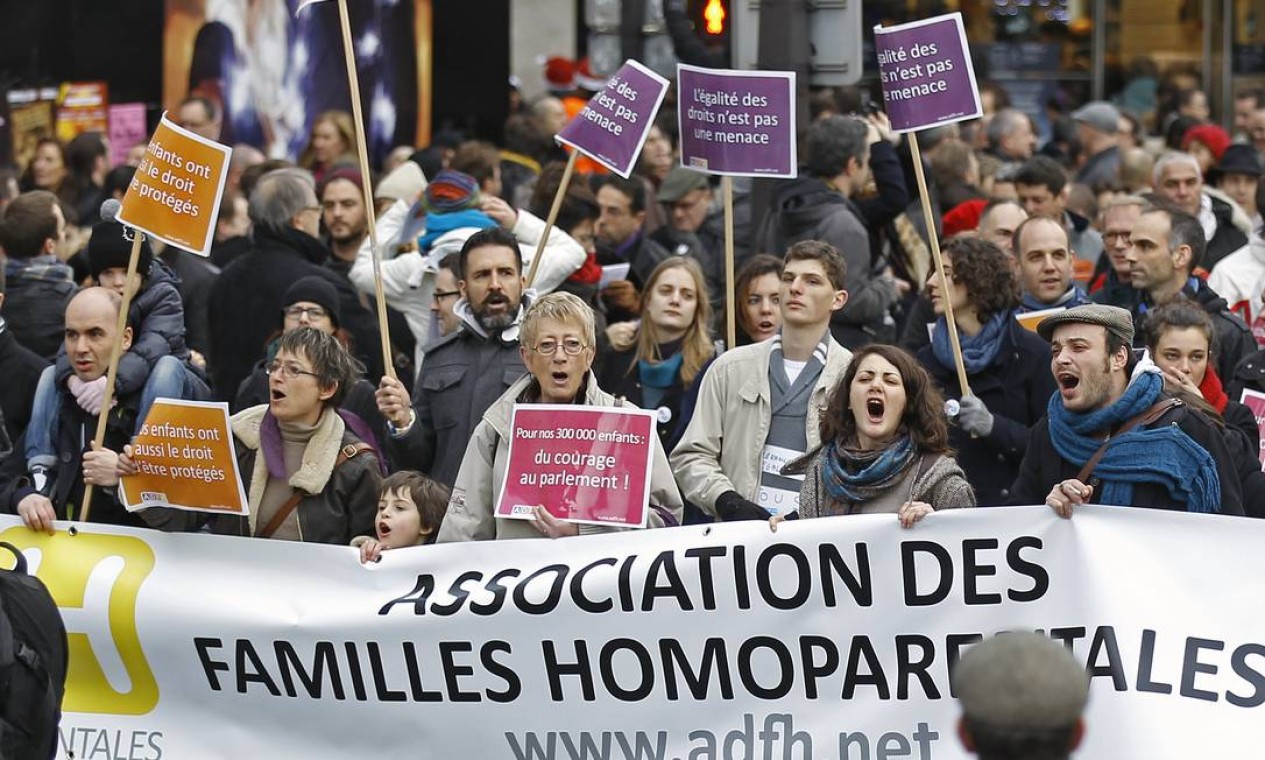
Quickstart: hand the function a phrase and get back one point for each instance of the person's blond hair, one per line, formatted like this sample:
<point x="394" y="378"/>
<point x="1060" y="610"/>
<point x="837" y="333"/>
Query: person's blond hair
<point x="696" y="345"/>
<point x="560" y="307"/>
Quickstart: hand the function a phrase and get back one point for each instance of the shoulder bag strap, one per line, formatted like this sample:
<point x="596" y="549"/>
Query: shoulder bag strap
<point x="1145" y="418"/>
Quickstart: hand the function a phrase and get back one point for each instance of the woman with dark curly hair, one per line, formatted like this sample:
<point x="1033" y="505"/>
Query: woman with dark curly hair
<point x="885" y="445"/>
<point x="1007" y="366"/>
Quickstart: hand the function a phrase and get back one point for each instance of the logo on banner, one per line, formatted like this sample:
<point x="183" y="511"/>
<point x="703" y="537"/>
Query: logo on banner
<point x="95" y="580"/>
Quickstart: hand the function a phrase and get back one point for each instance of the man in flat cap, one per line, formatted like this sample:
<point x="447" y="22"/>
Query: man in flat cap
<point x="695" y="228"/>
<point x="1022" y="697"/>
<point x="1097" y="123"/>
<point x="1112" y="435"/>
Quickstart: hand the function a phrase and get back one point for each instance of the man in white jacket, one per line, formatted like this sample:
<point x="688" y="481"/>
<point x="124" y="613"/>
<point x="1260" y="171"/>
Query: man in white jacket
<point x="408" y="274"/>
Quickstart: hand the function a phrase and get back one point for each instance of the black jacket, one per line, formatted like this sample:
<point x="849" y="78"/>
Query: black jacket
<point x="1234" y="339"/>
<point x="1016" y="388"/>
<point x="74" y="434"/>
<point x="461" y="377"/>
<point x="1042" y="466"/>
<point x="808" y="209"/>
<point x="618" y="377"/>
<point x="20" y="367"/>
<point x="195" y="277"/>
<point x="246" y="303"/>
<point x="35" y="306"/>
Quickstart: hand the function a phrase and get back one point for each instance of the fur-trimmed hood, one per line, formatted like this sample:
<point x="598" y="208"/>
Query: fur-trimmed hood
<point x="319" y="457"/>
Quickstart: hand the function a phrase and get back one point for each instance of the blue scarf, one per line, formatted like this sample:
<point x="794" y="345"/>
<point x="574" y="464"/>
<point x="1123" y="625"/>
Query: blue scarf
<point x="1162" y="454"/>
<point x="46" y="268"/>
<point x="859" y="476"/>
<point x="439" y="224"/>
<point x="657" y="377"/>
<point x="978" y="350"/>
<point x="1074" y="296"/>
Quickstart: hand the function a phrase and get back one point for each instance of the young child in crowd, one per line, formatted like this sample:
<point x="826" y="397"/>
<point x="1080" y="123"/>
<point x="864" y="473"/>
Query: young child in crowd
<point x="159" y="364"/>
<point x="411" y="507"/>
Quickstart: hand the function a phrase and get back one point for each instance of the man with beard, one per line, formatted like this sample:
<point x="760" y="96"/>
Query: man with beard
<point x="466" y="370"/>
<point x="344" y="217"/>
<point x="1113" y="435"/>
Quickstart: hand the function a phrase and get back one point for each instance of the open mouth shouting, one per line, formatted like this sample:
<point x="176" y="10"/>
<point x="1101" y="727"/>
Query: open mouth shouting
<point x="875" y="407"/>
<point x="1068" y="383"/>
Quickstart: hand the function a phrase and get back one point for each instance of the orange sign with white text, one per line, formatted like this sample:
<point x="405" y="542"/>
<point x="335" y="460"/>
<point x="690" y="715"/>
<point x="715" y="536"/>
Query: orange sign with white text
<point x="185" y="459"/>
<point x="175" y="193"/>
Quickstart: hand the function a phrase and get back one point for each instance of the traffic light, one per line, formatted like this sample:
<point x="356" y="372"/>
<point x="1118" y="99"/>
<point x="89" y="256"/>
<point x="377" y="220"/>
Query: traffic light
<point x="715" y="18"/>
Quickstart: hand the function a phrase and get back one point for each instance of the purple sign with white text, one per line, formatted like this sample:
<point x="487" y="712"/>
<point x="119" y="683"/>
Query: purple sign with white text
<point x="926" y="73"/>
<point x="737" y="122"/>
<point x="613" y="126"/>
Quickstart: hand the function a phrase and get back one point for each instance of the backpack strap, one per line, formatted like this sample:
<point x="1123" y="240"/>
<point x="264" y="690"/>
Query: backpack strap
<point x="1157" y="410"/>
<point x="347" y="452"/>
<point x="19" y="564"/>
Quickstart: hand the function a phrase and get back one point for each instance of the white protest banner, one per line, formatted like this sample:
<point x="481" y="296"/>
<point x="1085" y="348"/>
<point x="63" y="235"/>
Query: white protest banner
<point x="829" y="639"/>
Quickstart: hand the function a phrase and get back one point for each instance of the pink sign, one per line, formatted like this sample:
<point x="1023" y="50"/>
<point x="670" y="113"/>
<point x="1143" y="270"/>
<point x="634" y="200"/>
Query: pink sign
<point x="127" y="128"/>
<point x="1256" y="402"/>
<point x="585" y="464"/>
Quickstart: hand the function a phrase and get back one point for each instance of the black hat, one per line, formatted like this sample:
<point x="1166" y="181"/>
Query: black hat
<point x="317" y="290"/>
<point x="108" y="249"/>
<point x="1239" y="159"/>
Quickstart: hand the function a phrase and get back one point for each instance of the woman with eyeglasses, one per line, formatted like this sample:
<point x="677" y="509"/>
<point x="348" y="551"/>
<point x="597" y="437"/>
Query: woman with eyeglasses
<point x="310" y="302"/>
<point x="556" y="341"/>
<point x="661" y="355"/>
<point x="308" y="473"/>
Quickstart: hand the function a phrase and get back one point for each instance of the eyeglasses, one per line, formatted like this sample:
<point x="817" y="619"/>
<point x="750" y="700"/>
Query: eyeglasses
<point x="1111" y="237"/>
<point x="312" y="312"/>
<point x="570" y="346"/>
<point x="445" y="294"/>
<point x="288" y="370"/>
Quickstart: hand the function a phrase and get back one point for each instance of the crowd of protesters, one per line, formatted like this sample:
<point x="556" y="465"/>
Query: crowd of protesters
<point x="1133" y="234"/>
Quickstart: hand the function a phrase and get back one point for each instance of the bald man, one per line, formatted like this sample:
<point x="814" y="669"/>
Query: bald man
<point x="40" y="498"/>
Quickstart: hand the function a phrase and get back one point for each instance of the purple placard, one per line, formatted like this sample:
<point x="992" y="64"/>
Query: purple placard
<point x="926" y="72"/>
<point x="613" y="126"/>
<point x="737" y="122"/>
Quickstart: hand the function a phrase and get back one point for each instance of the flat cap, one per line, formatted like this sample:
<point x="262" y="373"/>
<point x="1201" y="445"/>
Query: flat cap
<point x="1118" y="321"/>
<point x="1021" y="680"/>
<point x="1100" y="115"/>
<point x="679" y="182"/>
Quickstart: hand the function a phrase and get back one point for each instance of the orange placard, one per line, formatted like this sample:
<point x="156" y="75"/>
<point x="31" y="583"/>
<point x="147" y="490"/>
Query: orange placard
<point x="175" y="194"/>
<point x="186" y="459"/>
<point x="1032" y="319"/>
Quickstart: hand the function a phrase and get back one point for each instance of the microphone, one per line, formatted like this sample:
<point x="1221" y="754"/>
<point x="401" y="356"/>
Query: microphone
<point x="110" y="209"/>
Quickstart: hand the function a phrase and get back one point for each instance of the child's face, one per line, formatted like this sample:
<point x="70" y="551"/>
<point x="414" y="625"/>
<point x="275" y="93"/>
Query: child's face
<point x="399" y="524"/>
<point x="114" y="278"/>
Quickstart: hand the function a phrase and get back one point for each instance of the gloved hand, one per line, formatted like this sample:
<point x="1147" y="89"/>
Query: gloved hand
<point x="974" y="417"/>
<point x="89" y="395"/>
<point x="731" y="506"/>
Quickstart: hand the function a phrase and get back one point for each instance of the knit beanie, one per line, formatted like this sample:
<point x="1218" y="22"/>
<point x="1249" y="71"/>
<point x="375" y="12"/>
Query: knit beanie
<point x="342" y="172"/>
<point x="1216" y="138"/>
<point x="108" y="249"/>
<point x="451" y="191"/>
<point x="317" y="290"/>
